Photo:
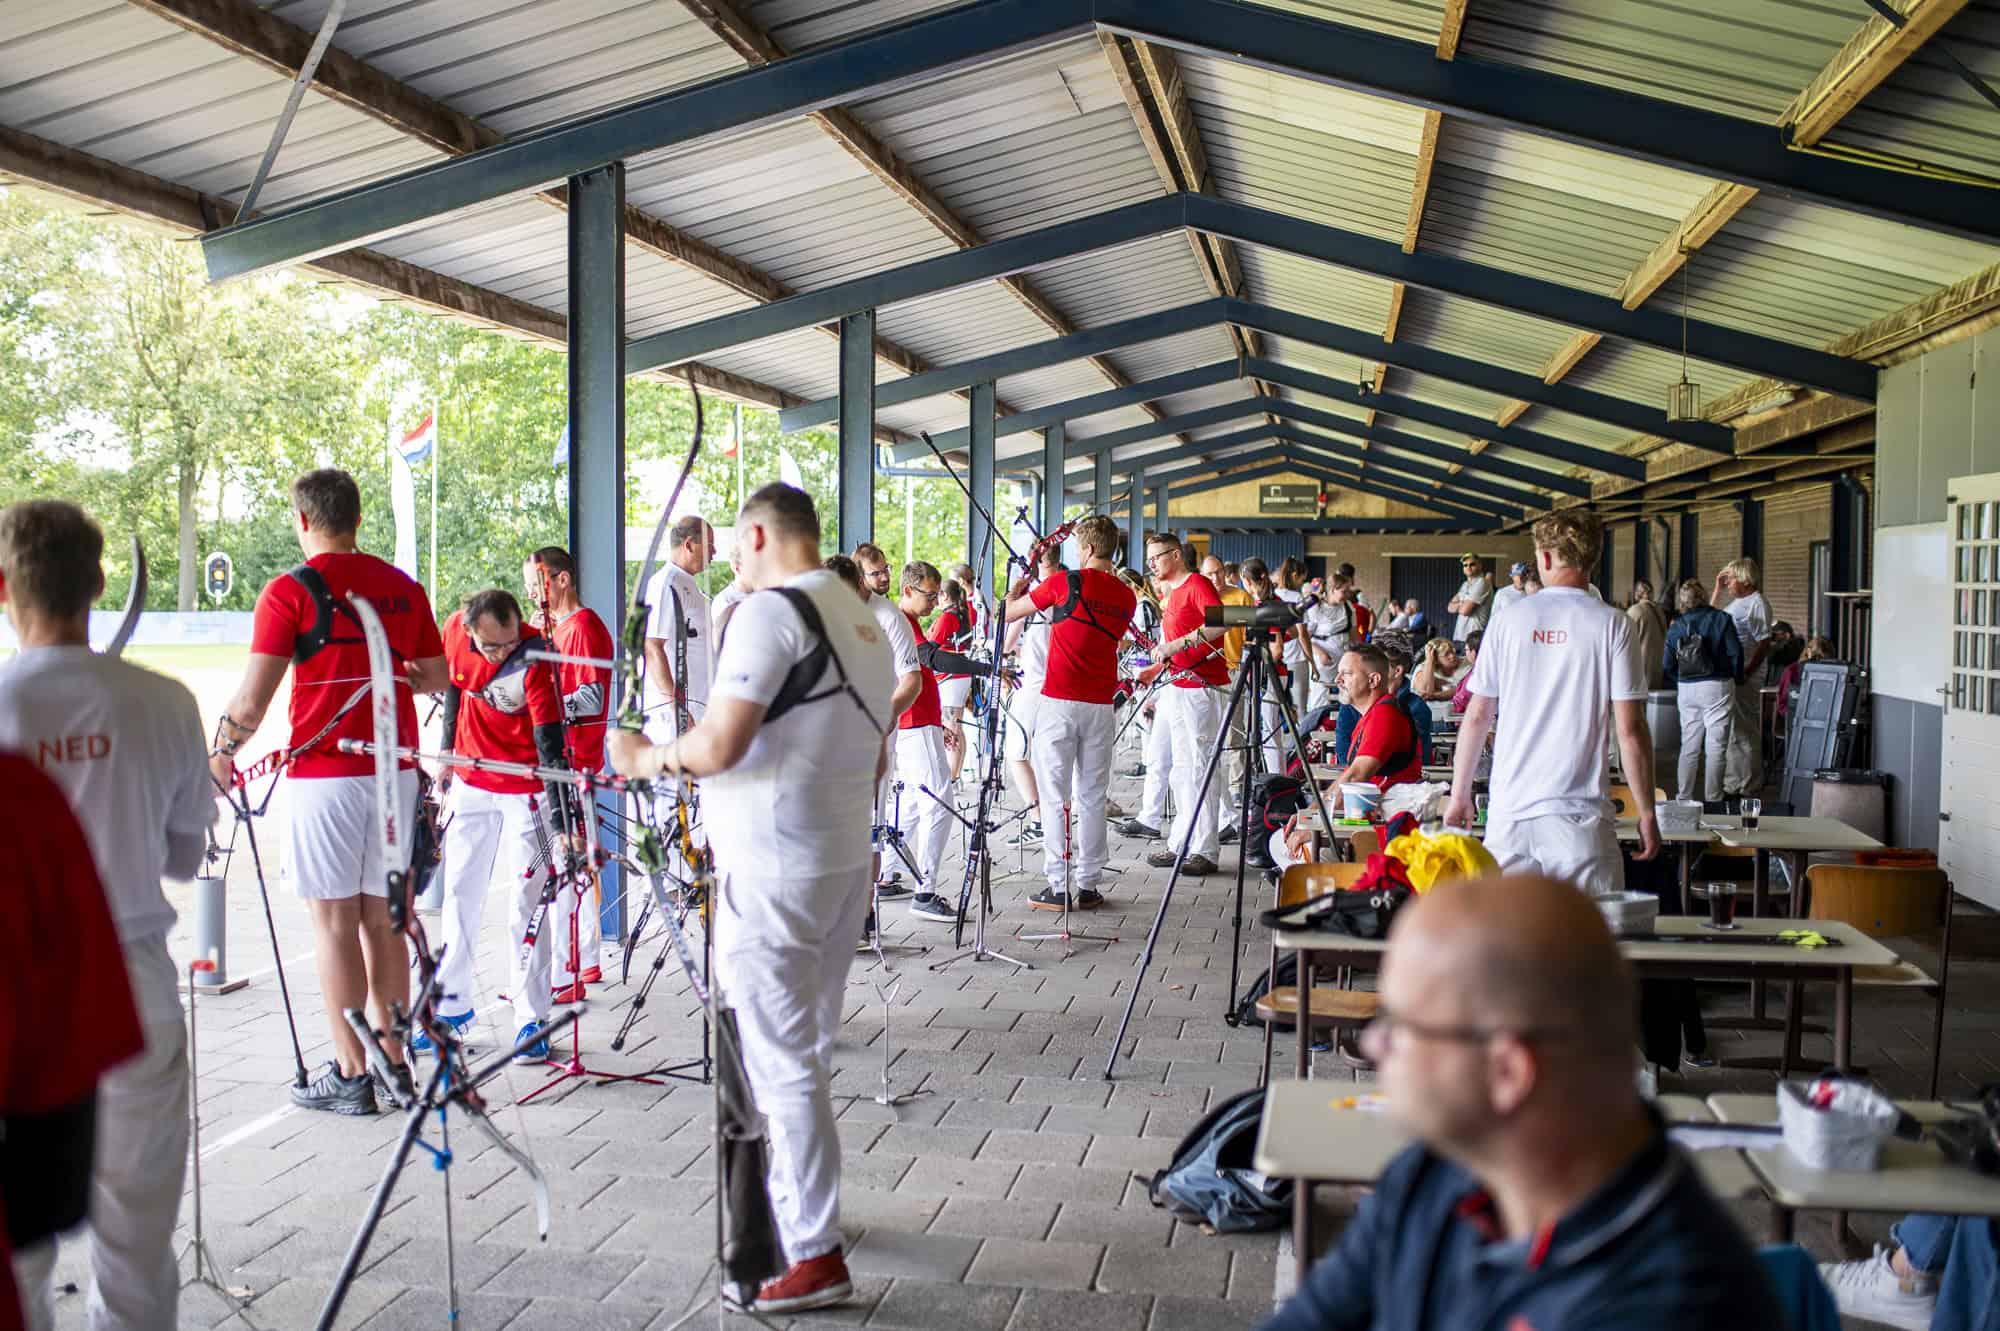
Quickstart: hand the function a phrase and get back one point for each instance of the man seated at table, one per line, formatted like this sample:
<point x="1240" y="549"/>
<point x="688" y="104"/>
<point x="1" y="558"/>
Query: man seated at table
<point x="1542" y="1191"/>
<point x="1943" y="1274"/>
<point x="1400" y="650"/>
<point x="1386" y="749"/>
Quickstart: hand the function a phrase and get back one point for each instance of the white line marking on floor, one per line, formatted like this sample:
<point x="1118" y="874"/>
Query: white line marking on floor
<point x="269" y="970"/>
<point x="247" y="1131"/>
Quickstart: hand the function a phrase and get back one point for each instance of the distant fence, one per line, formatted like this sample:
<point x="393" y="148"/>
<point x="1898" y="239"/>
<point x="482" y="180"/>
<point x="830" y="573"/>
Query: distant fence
<point x="164" y="628"/>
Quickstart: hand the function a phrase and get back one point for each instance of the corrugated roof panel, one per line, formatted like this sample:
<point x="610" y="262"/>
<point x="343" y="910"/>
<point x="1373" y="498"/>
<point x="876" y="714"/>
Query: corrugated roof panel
<point x="1418" y="20"/>
<point x="1926" y="111"/>
<point x="1747" y="58"/>
<point x="799" y="25"/>
<point x="1156" y="273"/>
<point x="1307" y="286"/>
<point x="1500" y="337"/>
<point x="1571" y="170"/>
<point x="1642" y="374"/>
<point x="1290" y="144"/>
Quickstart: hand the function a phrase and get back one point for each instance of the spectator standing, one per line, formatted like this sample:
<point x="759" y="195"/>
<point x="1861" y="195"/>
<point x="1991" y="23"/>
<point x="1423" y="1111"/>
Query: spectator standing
<point x="1330" y="625"/>
<point x="1701" y="660"/>
<point x="1474" y="602"/>
<point x="1649" y="626"/>
<point x="1738" y="582"/>
<point x="1518" y="574"/>
<point x="1563" y="671"/>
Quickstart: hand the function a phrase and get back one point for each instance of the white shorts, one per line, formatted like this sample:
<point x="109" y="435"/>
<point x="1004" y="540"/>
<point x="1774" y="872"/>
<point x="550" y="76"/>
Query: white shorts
<point x="953" y="694"/>
<point x="1578" y="849"/>
<point x="332" y="848"/>
<point x="1020" y="731"/>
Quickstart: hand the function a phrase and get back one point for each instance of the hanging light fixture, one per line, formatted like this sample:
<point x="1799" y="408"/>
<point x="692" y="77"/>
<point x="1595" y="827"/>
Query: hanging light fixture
<point x="1684" y="398"/>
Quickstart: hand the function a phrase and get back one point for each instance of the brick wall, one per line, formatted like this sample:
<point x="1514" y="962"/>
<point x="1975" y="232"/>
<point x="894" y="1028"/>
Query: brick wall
<point x="1623" y="542"/>
<point x="1370" y="555"/>
<point x="1718" y="539"/>
<point x="1792" y="522"/>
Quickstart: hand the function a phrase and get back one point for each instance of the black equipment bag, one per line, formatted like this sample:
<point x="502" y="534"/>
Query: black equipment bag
<point x="1358" y="913"/>
<point x="1273" y="799"/>
<point x="1212" y="1177"/>
<point x="1288" y="975"/>
<point x="45" y="1164"/>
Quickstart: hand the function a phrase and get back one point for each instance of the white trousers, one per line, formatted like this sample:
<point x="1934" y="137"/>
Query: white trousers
<point x="1159" y="762"/>
<point x="1706" y="707"/>
<point x="1746" y="740"/>
<point x="1073" y="775"/>
<point x="921" y="761"/>
<point x="782" y="950"/>
<point x="493" y="835"/>
<point x="1572" y="848"/>
<point x="1194" y="715"/>
<point x="135" y="1183"/>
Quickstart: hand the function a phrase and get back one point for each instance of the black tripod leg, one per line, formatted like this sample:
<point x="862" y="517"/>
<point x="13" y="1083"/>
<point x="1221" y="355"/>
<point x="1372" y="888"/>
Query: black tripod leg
<point x="1180" y="858"/>
<point x="277" y="956"/>
<point x="1252" y="698"/>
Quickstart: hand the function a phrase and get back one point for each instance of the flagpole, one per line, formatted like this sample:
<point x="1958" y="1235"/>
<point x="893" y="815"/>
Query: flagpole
<point x="740" y="494"/>
<point x="437" y="457"/>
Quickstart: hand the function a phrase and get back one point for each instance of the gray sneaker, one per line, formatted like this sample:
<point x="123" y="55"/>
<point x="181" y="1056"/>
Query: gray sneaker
<point x="336" y="1094"/>
<point x="930" y="906"/>
<point x="1144" y="831"/>
<point x="404" y="1092"/>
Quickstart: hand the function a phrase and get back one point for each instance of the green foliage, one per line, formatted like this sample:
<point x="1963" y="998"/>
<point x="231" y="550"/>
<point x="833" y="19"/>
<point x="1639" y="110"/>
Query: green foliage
<point x="182" y="411"/>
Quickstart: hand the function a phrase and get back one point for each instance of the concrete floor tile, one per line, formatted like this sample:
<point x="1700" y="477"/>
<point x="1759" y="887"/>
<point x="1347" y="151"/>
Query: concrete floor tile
<point x="1068" y="1183"/>
<point x="1068" y="1310"/>
<point x="987" y="1217"/>
<point x="934" y="1177"/>
<point x="909" y="1139"/>
<point x="935" y="1257"/>
<point x="924" y="1305"/>
<point x="582" y="1275"/>
<point x="1137" y="1225"/>
<point x="1199" y="1273"/>
<point x="1172" y="1313"/>
<point x="1035" y="1264"/>
<point x="1043" y="1148"/>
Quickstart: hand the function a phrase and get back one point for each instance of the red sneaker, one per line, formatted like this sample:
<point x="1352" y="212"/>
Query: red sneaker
<point x="817" y="1282"/>
<point x="592" y="975"/>
<point x="570" y="994"/>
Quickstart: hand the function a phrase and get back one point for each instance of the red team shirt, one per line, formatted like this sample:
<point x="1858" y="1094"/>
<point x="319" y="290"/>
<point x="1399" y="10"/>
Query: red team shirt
<point x="1083" y="648"/>
<point x="951" y="632"/>
<point x="1183" y="614"/>
<point x="584" y="634"/>
<point x="927" y="710"/>
<point x="321" y="684"/>
<point x="503" y="704"/>
<point x="1384" y="732"/>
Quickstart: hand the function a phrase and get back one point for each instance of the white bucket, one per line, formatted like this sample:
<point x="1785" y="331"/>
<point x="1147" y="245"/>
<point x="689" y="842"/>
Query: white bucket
<point x="1358" y="799"/>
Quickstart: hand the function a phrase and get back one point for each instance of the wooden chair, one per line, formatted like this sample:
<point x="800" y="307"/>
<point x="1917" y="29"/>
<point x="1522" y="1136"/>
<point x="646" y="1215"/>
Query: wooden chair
<point x="1331" y="1006"/>
<point x="1885" y="902"/>
<point x="1366" y="842"/>
<point x="1624" y="805"/>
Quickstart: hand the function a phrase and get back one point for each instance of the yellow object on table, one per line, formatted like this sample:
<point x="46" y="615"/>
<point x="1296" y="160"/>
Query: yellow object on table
<point x="1803" y="937"/>
<point x="1433" y="858"/>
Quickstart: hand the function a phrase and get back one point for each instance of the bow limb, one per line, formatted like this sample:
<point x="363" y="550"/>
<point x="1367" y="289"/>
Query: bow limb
<point x="527" y="1164"/>
<point x="632" y="640"/>
<point x="135" y="601"/>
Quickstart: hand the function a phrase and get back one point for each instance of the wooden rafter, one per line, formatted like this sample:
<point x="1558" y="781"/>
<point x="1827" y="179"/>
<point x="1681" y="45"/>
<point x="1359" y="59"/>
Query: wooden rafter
<point x="757" y="47"/>
<point x="257" y="34"/>
<point x="98" y="183"/>
<point x="1874" y="52"/>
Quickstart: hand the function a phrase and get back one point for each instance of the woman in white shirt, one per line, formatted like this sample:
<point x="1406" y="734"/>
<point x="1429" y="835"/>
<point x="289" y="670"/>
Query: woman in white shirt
<point x="1439" y="672"/>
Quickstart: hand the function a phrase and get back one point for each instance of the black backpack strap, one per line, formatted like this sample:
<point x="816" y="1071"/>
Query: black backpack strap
<point x="797" y="688"/>
<point x="309" y="644"/>
<point x="1067" y="606"/>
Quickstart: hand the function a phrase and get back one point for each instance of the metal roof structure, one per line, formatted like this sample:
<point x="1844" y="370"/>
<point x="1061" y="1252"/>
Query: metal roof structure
<point x="1359" y="232"/>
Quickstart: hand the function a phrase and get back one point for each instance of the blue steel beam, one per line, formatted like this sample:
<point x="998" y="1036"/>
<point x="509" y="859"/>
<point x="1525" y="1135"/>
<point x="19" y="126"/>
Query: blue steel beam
<point x="1336" y="526"/>
<point x="1461" y="487"/>
<point x="1019" y="360"/>
<point x="1324" y="474"/>
<point x="1100" y="499"/>
<point x="1152" y="390"/>
<point x="1423" y="269"/>
<point x="1528" y="441"/>
<point x="1052" y="493"/>
<point x="979" y="532"/>
<point x="1200" y="448"/>
<point x="856" y="447"/>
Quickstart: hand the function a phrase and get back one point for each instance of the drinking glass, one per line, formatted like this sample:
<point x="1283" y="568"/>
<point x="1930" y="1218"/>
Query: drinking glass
<point x="1479" y="803"/>
<point x="1721" y="904"/>
<point x="1752" y="810"/>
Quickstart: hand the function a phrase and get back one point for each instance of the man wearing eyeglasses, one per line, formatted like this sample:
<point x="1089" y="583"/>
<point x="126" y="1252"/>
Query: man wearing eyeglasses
<point x="1192" y="707"/>
<point x="1541" y="1191"/>
<point x="500" y="706"/>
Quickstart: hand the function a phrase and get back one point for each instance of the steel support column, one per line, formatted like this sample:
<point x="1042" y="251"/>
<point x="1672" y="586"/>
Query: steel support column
<point x="597" y="425"/>
<point x="1100" y="499"/>
<point x="1689" y="534"/>
<point x="1642" y="552"/>
<point x="1160" y="523"/>
<point x="979" y="477"/>
<point x="1135" y="526"/>
<point x="857" y="429"/>
<point x="1052" y="474"/>
<point x="1753" y="529"/>
<point x="1846" y="534"/>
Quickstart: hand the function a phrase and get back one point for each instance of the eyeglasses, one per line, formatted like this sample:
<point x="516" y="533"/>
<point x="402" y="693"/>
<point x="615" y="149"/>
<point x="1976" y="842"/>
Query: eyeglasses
<point x="1387" y="1025"/>
<point x="1152" y="555"/>
<point x="496" y="648"/>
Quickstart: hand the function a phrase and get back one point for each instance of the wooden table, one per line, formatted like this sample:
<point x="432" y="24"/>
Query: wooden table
<point x="1914" y="1176"/>
<point x="1309" y="1136"/>
<point x="1711" y="960"/>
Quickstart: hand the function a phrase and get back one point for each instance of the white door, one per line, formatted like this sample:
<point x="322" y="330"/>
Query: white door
<point x="1969" y="782"/>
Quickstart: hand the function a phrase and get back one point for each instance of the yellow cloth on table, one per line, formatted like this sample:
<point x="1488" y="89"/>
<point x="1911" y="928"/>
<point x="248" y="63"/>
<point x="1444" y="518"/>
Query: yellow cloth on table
<point x="1433" y="858"/>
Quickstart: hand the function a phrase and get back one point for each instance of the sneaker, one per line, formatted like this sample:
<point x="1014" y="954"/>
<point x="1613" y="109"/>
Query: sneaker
<point x="538" y="1052"/>
<point x="1698" y="1062"/>
<point x="1049" y="899"/>
<point x="1112" y="809"/>
<point x="1144" y="831"/>
<point x="1030" y="834"/>
<point x="1196" y="866"/>
<point x="1872" y="1290"/>
<point x="1136" y="770"/>
<point x="1088" y="899"/>
<point x="421" y="1041"/>
<point x="571" y="993"/>
<point x="404" y="1089"/>
<point x="337" y="1094"/>
<point x="891" y="891"/>
<point x="931" y="906"/>
<point x="592" y="975"/>
<point x="1232" y="832"/>
<point x="817" y="1282"/>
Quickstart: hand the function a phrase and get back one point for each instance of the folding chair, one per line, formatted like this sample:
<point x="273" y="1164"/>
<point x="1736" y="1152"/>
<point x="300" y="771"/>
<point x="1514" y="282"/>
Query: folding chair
<point x="1330" y="1005"/>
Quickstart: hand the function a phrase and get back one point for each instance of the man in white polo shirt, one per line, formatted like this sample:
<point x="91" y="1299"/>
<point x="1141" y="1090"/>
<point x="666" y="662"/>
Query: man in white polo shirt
<point x="124" y="744"/>
<point x="673" y="651"/>
<point x="1561" y="668"/>
<point x="875" y="579"/>
<point x="1737" y="594"/>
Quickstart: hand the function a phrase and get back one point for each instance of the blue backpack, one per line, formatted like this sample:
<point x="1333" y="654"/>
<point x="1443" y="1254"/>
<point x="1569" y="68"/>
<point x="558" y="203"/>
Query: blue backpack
<point x="1211" y="1175"/>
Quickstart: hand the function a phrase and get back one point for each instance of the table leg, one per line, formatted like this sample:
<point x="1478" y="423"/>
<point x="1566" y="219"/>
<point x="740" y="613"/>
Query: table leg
<point x="1687" y="873"/>
<point x="1302" y="1226"/>
<point x="1843" y="1018"/>
<point x="1302" y="1025"/>
<point x="1760" y="883"/>
<point x="1796" y="861"/>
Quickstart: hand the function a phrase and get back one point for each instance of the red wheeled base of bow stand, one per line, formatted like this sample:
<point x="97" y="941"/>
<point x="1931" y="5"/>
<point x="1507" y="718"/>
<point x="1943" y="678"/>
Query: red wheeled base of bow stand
<point x="573" y="1069"/>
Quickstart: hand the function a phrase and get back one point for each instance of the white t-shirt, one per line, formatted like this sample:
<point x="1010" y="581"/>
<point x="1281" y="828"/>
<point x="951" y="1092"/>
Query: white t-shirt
<point x="902" y="643"/>
<point x="1556" y="662"/>
<point x="802" y="799"/>
<point x="125" y="745"/>
<point x="1034" y="652"/>
<point x="725" y="601"/>
<point x="1752" y="616"/>
<point x="1294" y="653"/>
<point x="1503" y="598"/>
<point x="1478" y="589"/>
<point x="672" y="578"/>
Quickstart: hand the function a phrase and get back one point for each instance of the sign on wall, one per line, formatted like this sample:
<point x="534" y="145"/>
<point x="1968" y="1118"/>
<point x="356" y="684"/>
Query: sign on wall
<point x="1287" y="499"/>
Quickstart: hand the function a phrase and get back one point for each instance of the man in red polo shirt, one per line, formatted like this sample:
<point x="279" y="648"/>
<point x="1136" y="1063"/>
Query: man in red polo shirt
<point x="1386" y="750"/>
<point x="576" y="631"/>
<point x="1075" y="720"/>
<point x="1193" y="706"/>
<point x="500" y="706"/>
<point x="304" y="621"/>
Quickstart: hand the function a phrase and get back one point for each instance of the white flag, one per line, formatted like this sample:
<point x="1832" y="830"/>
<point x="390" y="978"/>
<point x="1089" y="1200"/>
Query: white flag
<point x="403" y="500"/>
<point x="788" y="470"/>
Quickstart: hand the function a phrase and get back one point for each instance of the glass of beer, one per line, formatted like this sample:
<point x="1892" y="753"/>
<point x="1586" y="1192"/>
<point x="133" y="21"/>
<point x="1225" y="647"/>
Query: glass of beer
<point x="1721" y="904"/>
<point x="1752" y="810"/>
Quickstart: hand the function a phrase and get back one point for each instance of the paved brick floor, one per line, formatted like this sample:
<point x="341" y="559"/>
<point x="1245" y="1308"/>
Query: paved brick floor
<point x="1002" y="1196"/>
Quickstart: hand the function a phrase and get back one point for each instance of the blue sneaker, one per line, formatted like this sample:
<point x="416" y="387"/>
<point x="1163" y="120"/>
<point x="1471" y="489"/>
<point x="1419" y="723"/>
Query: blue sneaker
<point x="421" y="1041"/>
<point x="538" y="1051"/>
